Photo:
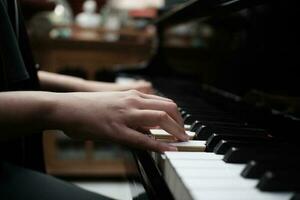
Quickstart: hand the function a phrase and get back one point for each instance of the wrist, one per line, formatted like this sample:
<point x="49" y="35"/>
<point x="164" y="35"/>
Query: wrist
<point x="65" y="112"/>
<point x="96" y="86"/>
<point x="54" y="104"/>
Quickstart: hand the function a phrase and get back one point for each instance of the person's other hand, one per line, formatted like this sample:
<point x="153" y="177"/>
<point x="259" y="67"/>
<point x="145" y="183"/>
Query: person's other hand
<point x="139" y="85"/>
<point x="121" y="117"/>
<point x="64" y="83"/>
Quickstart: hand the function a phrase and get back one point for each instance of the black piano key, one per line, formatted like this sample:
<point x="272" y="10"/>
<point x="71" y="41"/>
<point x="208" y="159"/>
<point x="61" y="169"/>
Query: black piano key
<point x="195" y="126"/>
<point x="206" y="112"/>
<point x="280" y="181"/>
<point x="196" y="108"/>
<point x="245" y="154"/>
<point x="296" y="196"/>
<point x="215" y="138"/>
<point x="224" y="145"/>
<point x="226" y="124"/>
<point x="206" y="131"/>
<point x="189" y="119"/>
<point x="242" y="155"/>
<point x="193" y="117"/>
<point x="256" y="168"/>
<point x="183" y="113"/>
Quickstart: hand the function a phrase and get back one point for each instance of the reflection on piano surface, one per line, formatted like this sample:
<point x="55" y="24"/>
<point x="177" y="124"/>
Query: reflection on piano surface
<point x="245" y="113"/>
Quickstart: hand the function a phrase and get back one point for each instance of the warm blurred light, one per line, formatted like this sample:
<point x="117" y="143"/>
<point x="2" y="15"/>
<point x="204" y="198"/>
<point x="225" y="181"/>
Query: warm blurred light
<point x="137" y="4"/>
<point x="59" y="10"/>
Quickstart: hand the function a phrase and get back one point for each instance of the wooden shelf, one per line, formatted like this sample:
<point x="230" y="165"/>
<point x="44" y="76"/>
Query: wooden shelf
<point x="93" y="54"/>
<point x="69" y="158"/>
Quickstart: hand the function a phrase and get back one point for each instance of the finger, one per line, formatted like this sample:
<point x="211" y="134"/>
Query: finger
<point x="144" y="130"/>
<point x="151" y="96"/>
<point x="169" y="107"/>
<point x="138" y="140"/>
<point x="148" y="96"/>
<point x="146" y="90"/>
<point x="151" y="118"/>
<point x="143" y="86"/>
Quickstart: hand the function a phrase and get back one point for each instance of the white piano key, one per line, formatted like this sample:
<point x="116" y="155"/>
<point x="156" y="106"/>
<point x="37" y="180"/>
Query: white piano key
<point x="187" y="127"/>
<point x="200" y="164"/>
<point x="175" y="170"/>
<point x="237" y="194"/>
<point x="192" y="156"/>
<point x="162" y="134"/>
<point x="160" y="159"/>
<point x="192" y="145"/>
<point x="219" y="183"/>
<point x="212" y="180"/>
<point x="208" y="173"/>
<point x="182" y="192"/>
<point x="171" y="177"/>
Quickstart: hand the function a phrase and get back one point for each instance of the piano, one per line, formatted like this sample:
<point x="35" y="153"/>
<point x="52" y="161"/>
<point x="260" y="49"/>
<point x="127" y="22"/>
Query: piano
<point x="245" y="114"/>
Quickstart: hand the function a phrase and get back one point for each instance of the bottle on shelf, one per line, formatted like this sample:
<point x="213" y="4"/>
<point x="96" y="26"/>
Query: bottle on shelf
<point x="89" y="18"/>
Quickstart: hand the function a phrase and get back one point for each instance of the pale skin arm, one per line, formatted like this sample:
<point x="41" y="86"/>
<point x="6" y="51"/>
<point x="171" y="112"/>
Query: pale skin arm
<point x="120" y="117"/>
<point x="63" y="83"/>
<point x="22" y="113"/>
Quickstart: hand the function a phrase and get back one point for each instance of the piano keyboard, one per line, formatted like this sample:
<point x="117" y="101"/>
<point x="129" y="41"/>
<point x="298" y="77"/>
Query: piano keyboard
<point x="230" y="169"/>
<point x="226" y="158"/>
<point x="234" y="160"/>
<point x="192" y="176"/>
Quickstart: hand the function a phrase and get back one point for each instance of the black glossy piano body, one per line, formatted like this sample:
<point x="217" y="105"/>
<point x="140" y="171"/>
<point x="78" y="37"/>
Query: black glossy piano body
<point x="254" y="89"/>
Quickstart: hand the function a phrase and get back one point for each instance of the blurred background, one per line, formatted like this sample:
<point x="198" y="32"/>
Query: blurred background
<point x="89" y="38"/>
<point x="249" y="53"/>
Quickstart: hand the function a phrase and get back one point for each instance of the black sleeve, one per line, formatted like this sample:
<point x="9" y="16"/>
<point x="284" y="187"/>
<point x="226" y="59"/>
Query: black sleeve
<point x="12" y="63"/>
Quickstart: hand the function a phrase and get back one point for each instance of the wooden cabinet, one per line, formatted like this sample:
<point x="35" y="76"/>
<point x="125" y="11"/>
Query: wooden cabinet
<point x="88" y="50"/>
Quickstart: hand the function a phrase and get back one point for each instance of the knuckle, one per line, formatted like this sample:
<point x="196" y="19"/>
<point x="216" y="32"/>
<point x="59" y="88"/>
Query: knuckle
<point x="162" y="116"/>
<point x="144" y="143"/>
<point x="132" y="101"/>
<point x="173" y="106"/>
<point x="134" y="92"/>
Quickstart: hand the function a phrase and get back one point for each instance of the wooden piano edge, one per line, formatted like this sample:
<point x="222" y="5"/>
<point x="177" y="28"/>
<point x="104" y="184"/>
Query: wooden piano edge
<point x="151" y="176"/>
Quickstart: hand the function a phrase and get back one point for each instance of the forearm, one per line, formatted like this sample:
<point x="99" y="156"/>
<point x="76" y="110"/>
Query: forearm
<point x="60" y="83"/>
<point x="63" y="83"/>
<point x="22" y="113"/>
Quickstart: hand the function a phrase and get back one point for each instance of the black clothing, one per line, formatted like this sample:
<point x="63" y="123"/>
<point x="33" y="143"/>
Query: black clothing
<point x="18" y="72"/>
<point x="18" y="184"/>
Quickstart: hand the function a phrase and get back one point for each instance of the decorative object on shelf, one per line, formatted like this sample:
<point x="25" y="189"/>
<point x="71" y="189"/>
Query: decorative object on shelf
<point x="89" y="18"/>
<point x="62" y="14"/>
